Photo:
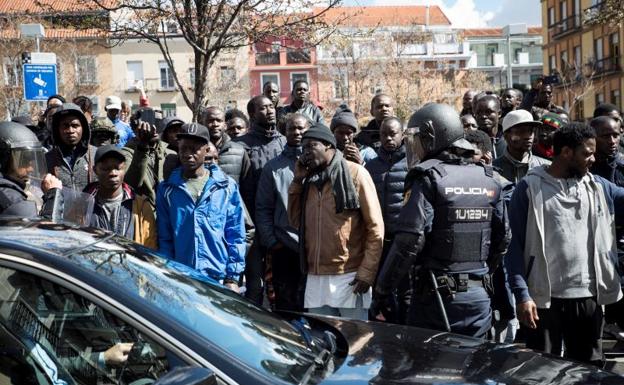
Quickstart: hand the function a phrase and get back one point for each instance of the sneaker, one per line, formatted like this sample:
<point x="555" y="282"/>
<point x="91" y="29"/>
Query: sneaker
<point x="615" y="331"/>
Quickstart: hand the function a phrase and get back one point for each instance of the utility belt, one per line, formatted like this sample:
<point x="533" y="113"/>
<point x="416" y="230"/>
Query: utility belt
<point x="448" y="284"/>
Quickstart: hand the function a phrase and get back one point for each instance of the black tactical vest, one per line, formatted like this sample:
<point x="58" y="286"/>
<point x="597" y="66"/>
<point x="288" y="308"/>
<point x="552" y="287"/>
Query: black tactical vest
<point x="464" y="198"/>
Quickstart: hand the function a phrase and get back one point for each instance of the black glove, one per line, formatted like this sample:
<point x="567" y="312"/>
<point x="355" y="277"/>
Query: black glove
<point x="384" y="308"/>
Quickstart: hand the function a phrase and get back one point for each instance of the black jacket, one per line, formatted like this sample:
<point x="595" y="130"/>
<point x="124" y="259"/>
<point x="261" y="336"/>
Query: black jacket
<point x="14" y="202"/>
<point x="80" y="174"/>
<point x="369" y="136"/>
<point x="611" y="169"/>
<point x="260" y="149"/>
<point x="233" y="159"/>
<point x="308" y="109"/>
<point x="388" y="171"/>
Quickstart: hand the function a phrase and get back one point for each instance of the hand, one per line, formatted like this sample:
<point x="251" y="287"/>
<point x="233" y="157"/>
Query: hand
<point x="301" y="171"/>
<point x="146" y="134"/>
<point x="49" y="182"/>
<point x="359" y="287"/>
<point x="118" y="353"/>
<point x="232" y="286"/>
<point x="383" y="308"/>
<point x="352" y="153"/>
<point x="527" y="313"/>
<point x="277" y="247"/>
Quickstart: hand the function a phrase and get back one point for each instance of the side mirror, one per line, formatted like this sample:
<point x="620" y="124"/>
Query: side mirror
<point x="187" y="375"/>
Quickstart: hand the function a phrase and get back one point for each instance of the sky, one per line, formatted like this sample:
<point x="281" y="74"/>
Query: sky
<point x="475" y="13"/>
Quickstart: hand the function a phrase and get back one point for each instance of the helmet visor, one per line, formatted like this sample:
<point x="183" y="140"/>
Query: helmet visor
<point x="28" y="164"/>
<point x="413" y="147"/>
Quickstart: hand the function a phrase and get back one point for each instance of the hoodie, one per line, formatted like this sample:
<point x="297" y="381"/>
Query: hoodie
<point x="537" y="268"/>
<point x="74" y="167"/>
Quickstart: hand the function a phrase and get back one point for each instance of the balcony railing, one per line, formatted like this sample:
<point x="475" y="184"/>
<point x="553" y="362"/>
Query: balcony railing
<point x="446" y="48"/>
<point x="606" y="65"/>
<point x="593" y="11"/>
<point x="565" y="26"/>
<point x="267" y="58"/>
<point x="298" y="56"/>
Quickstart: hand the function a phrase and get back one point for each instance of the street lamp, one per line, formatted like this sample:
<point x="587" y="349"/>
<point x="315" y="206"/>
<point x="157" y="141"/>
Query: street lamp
<point x="508" y="30"/>
<point x="33" y="31"/>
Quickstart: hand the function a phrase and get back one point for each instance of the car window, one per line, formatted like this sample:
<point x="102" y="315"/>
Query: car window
<point x="66" y="339"/>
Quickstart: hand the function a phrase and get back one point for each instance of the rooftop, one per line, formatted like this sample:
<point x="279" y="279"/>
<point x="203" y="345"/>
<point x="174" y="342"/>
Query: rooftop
<point x="386" y="16"/>
<point x="495" y="32"/>
<point x="49" y="6"/>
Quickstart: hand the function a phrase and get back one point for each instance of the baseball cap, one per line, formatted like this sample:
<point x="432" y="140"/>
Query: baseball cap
<point x="108" y="150"/>
<point x="519" y="118"/>
<point x="113" y="103"/>
<point x="194" y="131"/>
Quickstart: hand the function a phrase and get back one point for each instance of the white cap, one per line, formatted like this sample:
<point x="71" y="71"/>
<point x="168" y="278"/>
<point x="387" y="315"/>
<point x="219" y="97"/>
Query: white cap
<point x="113" y="103"/>
<point x="519" y="118"/>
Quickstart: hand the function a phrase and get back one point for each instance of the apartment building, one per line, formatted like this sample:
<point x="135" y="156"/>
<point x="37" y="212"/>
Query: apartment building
<point x="587" y="58"/>
<point x="489" y="54"/>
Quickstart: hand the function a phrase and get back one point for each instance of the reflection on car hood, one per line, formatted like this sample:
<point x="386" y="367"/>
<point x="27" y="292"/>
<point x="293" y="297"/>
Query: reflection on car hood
<point x="390" y="354"/>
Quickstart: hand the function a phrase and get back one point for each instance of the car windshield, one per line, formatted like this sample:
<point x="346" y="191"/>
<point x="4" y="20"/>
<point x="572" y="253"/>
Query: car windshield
<point x="257" y="337"/>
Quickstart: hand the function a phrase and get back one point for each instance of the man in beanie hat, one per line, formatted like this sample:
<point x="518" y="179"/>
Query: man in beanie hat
<point x="333" y="204"/>
<point x="344" y="125"/>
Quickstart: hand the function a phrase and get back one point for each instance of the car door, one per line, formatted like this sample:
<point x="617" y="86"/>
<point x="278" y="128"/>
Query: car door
<point x="61" y="337"/>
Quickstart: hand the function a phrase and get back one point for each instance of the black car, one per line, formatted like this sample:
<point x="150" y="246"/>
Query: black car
<point x="71" y="298"/>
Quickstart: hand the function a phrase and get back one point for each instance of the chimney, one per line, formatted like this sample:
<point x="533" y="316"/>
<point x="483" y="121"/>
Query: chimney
<point x="427" y="15"/>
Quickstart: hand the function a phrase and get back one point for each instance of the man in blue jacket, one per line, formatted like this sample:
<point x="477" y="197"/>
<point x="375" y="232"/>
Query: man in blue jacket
<point x="561" y="262"/>
<point x="200" y="215"/>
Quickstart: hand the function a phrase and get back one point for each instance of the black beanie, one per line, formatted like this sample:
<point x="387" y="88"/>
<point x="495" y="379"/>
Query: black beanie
<point x="319" y="131"/>
<point x="344" y="117"/>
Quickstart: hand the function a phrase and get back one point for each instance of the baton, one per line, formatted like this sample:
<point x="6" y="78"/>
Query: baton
<point x="440" y="302"/>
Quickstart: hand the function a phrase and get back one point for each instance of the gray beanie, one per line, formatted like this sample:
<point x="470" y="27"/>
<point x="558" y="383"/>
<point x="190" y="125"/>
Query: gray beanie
<point x="319" y="131"/>
<point x="344" y="117"/>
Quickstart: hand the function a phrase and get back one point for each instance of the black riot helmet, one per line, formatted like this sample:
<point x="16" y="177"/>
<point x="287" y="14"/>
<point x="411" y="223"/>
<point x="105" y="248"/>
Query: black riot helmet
<point x="433" y="129"/>
<point x="21" y="154"/>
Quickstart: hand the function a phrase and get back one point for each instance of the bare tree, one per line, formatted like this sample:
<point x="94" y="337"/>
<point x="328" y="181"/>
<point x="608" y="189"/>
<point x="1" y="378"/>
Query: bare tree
<point x="606" y="12"/>
<point x="211" y="27"/>
<point x="384" y="63"/>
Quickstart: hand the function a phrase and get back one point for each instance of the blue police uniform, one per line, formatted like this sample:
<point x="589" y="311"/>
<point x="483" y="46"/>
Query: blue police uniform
<point x="454" y="225"/>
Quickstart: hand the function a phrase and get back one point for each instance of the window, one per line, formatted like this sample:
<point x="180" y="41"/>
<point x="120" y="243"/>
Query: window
<point x="95" y="109"/>
<point x="614" y="49"/>
<point x="599" y="98"/>
<point x="227" y="75"/>
<point x="552" y="64"/>
<point x="269" y="77"/>
<point x="59" y="337"/>
<point x="563" y="10"/>
<point x="491" y="50"/>
<point x="295" y="76"/>
<point x="578" y="62"/>
<point x="598" y="49"/>
<point x="166" y="76"/>
<point x="577" y="13"/>
<point x="551" y="16"/>
<point x="341" y="85"/>
<point x="12" y="72"/>
<point x="168" y="109"/>
<point x="134" y="74"/>
<point x="192" y="76"/>
<point x="564" y="60"/>
<point x="616" y="98"/>
<point x="86" y="70"/>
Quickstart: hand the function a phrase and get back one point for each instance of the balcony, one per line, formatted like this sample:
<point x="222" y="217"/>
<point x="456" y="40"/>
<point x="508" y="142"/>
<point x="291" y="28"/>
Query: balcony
<point x="593" y="11"/>
<point x="267" y="58"/>
<point x="447" y="48"/>
<point x="564" y="27"/>
<point x="298" y="56"/>
<point x="606" y="66"/>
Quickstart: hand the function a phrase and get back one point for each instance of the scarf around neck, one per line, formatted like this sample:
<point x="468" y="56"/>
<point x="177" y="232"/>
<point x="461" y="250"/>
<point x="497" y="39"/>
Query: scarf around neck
<point x="338" y="174"/>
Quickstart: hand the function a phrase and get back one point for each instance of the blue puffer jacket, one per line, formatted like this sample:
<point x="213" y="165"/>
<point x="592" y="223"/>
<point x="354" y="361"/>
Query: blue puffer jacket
<point x="388" y="171"/>
<point x="208" y="235"/>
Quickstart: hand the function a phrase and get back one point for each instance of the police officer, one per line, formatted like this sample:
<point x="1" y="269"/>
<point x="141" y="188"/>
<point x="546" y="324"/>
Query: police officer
<point x="454" y="229"/>
<point x="22" y="158"/>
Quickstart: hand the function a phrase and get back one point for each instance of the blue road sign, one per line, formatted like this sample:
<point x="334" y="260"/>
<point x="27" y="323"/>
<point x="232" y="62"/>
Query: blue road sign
<point x="39" y="81"/>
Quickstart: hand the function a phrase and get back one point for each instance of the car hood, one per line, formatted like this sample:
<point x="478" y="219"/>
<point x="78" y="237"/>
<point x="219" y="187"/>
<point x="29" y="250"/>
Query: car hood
<point x="390" y="354"/>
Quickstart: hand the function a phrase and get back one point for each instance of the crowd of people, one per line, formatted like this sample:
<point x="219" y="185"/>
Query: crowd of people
<point x="503" y="217"/>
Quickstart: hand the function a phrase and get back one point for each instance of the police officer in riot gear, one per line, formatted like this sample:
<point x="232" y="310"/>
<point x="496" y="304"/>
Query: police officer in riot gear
<point x="454" y="229"/>
<point x="22" y="163"/>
